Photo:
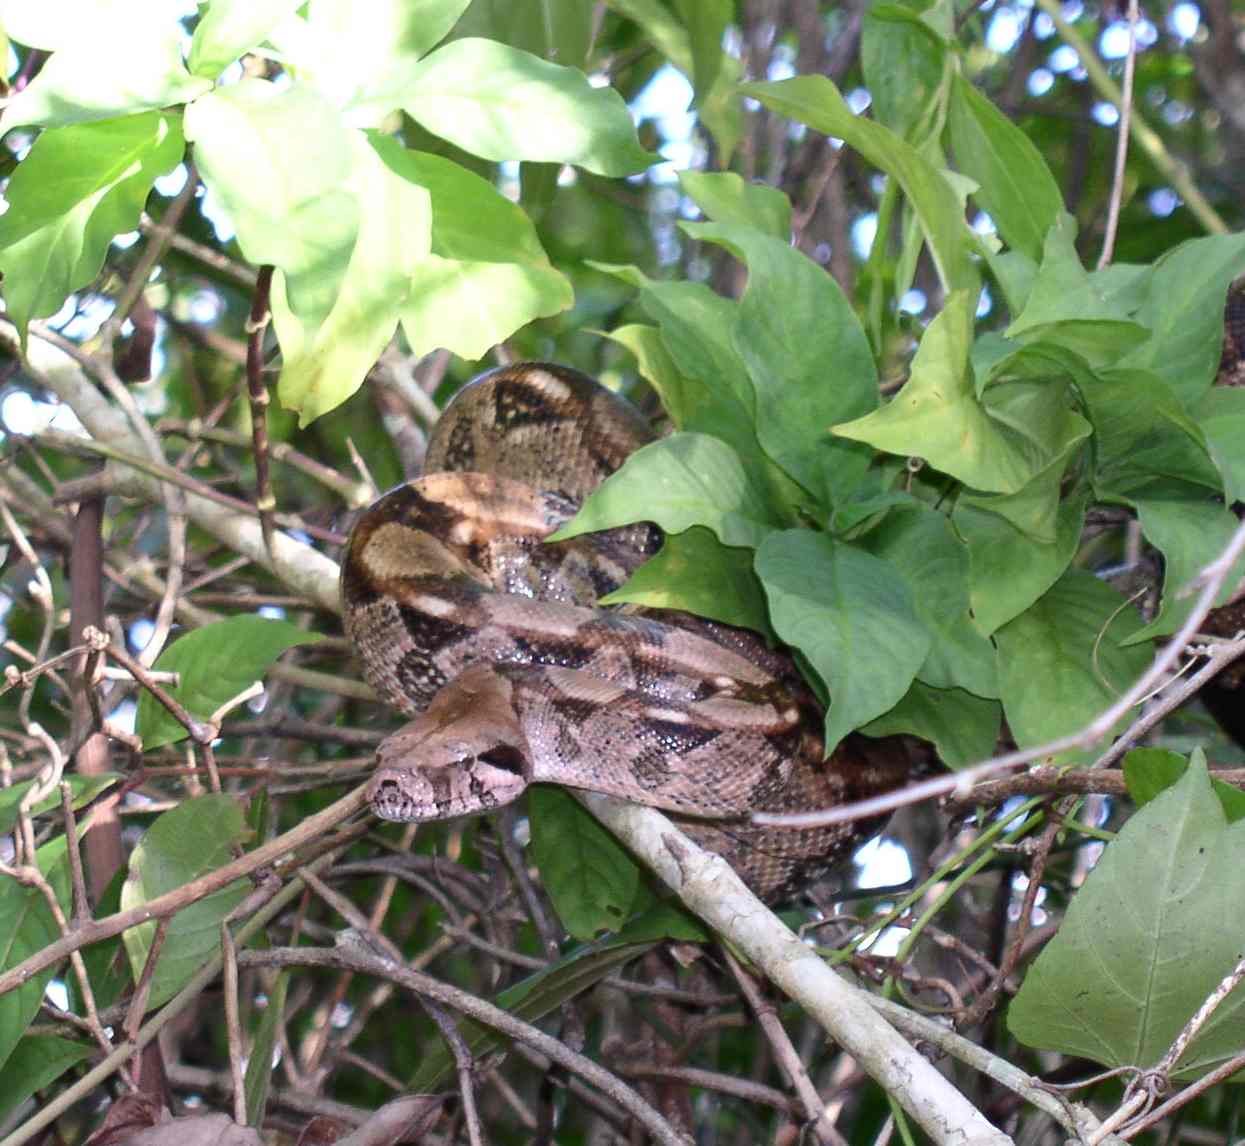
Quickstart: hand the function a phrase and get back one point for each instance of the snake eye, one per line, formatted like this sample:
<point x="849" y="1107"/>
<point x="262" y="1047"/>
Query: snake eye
<point x="505" y="757"/>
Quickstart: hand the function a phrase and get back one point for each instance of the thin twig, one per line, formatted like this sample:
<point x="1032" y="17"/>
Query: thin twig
<point x="1121" y="141"/>
<point x="257" y="391"/>
<point x="233" y="1024"/>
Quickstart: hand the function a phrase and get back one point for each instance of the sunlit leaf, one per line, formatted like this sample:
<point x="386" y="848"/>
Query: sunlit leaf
<point x="130" y="62"/>
<point x="78" y="188"/>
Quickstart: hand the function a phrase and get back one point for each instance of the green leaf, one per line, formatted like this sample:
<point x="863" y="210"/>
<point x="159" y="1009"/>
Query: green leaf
<point x="1190" y="532"/>
<point x="696" y="573"/>
<point x="36" y="1062"/>
<point x="280" y="162"/>
<point x="1184" y="312"/>
<point x="215" y="663"/>
<point x="793" y="322"/>
<point x="919" y="543"/>
<point x="27" y="926"/>
<point x="588" y="874"/>
<point x="678" y="482"/>
<point x="84" y="789"/>
<point x="1063" y="661"/>
<point x="705" y="21"/>
<point x="469" y="308"/>
<point x="1221" y="417"/>
<point x="963" y="728"/>
<point x="182" y="844"/>
<point x="725" y="197"/>
<point x="500" y="103"/>
<point x="558" y="30"/>
<point x="488" y="276"/>
<point x="231" y="27"/>
<point x="1009" y="569"/>
<point x="130" y="62"/>
<point x="1142" y="433"/>
<point x="1067" y="305"/>
<point x="1153" y="931"/>
<point x="903" y="60"/>
<point x="324" y="362"/>
<point x="259" y="1065"/>
<point x="1013" y="182"/>
<point x="852" y="615"/>
<point x="351" y="60"/>
<point x="1149" y="771"/>
<point x="814" y="100"/>
<point x="998" y="445"/>
<point x="78" y="188"/>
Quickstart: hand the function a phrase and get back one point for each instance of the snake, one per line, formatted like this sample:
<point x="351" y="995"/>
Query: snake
<point x="495" y="646"/>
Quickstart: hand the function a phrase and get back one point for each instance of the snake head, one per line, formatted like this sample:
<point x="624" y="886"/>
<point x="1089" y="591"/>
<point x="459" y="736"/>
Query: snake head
<point x="463" y="755"/>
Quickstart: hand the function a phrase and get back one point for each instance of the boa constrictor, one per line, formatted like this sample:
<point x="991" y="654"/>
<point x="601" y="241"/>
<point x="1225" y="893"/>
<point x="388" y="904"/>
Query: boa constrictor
<point x="494" y="645"/>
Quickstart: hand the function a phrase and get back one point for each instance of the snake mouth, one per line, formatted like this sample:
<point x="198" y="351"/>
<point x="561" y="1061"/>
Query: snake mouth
<point x="417" y="795"/>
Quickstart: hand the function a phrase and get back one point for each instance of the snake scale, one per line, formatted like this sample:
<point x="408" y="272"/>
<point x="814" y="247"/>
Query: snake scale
<point x="494" y="646"/>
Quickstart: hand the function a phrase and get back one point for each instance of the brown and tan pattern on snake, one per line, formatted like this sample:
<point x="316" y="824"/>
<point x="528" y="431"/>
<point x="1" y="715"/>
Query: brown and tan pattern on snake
<point x="493" y="643"/>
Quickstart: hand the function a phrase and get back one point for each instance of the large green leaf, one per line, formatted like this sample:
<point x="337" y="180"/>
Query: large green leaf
<point x="215" y="663"/>
<point x="698" y="574"/>
<point x="130" y="62"/>
<point x="1073" y="308"/>
<point x="1142" y="435"/>
<point x="1009" y="569"/>
<point x="807" y="356"/>
<point x="281" y="161"/>
<point x="963" y="728"/>
<point x="853" y="617"/>
<point x="1013" y="182"/>
<point x="1062" y="662"/>
<point x="36" y="1062"/>
<point x="998" y="445"/>
<point x="558" y="30"/>
<point x="1149" y="771"/>
<point x="230" y="27"/>
<point x="78" y="188"/>
<point x="324" y="362"/>
<point x="26" y="926"/>
<point x="903" y="59"/>
<point x="1184" y="312"/>
<point x="587" y="873"/>
<point x="725" y="197"/>
<point x="488" y="274"/>
<point x="498" y="102"/>
<point x="814" y="100"/>
<point x="705" y="21"/>
<point x="921" y="545"/>
<point x="350" y="60"/>
<point x="1153" y="931"/>
<point x="678" y="482"/>
<point x="182" y="844"/>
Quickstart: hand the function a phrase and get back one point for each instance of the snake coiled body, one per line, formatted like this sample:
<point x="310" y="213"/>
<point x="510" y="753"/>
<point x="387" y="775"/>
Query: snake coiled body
<point x="494" y="644"/>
